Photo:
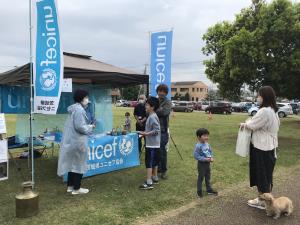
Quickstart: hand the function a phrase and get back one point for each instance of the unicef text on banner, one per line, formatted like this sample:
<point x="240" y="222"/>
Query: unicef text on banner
<point x="48" y="57"/>
<point x="160" y="65"/>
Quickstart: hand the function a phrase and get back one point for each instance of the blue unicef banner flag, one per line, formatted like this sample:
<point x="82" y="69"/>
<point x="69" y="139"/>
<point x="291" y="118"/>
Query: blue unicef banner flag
<point x="160" y="65"/>
<point x="48" y="57"/>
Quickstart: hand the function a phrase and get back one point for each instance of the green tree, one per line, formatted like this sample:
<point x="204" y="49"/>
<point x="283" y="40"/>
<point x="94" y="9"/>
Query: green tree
<point x="212" y="95"/>
<point x="260" y="47"/>
<point x="177" y="96"/>
<point x="186" y="97"/>
<point x="130" y="93"/>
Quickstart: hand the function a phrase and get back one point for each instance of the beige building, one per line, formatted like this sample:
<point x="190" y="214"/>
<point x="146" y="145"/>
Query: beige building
<point x="115" y="94"/>
<point x="197" y="89"/>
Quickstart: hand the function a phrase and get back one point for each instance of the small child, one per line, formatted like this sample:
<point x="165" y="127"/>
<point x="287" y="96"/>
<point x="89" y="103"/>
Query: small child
<point x="152" y="135"/>
<point x="203" y="154"/>
<point x="127" y="125"/>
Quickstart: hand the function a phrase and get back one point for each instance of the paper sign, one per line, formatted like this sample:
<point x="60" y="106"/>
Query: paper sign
<point x="3" y="160"/>
<point x="67" y="85"/>
<point x="2" y="124"/>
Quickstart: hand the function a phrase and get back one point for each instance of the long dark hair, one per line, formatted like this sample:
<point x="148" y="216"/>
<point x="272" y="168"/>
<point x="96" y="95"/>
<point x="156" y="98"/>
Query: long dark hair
<point x="269" y="98"/>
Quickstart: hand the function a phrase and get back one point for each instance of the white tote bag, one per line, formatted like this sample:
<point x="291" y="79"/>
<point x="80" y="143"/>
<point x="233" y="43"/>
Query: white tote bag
<point x="243" y="142"/>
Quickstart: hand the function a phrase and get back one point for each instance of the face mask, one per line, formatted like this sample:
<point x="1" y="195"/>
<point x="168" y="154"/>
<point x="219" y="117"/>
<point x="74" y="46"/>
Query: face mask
<point x="141" y="101"/>
<point x="85" y="102"/>
<point x="161" y="95"/>
<point x="259" y="101"/>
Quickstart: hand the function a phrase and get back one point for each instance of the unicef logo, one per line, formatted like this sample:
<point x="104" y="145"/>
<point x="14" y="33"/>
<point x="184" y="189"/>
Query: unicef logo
<point x="48" y="79"/>
<point x="126" y="146"/>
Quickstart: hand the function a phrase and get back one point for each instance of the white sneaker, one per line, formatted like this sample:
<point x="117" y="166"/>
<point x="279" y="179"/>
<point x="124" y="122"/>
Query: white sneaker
<point x="80" y="191"/>
<point x="256" y="203"/>
<point x="70" y="189"/>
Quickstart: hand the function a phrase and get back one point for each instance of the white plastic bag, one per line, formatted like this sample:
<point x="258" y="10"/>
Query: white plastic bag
<point x="243" y="142"/>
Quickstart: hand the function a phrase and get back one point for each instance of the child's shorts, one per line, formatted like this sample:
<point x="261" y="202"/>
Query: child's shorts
<point x="151" y="158"/>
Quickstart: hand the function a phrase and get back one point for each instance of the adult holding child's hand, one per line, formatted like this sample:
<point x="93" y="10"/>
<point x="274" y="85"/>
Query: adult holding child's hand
<point x="264" y="141"/>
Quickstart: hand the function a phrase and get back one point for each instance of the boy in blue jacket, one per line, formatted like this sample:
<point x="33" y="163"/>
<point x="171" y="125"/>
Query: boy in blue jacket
<point x="203" y="154"/>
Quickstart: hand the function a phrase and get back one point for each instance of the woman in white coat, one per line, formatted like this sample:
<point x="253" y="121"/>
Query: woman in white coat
<point x="74" y="146"/>
<point x="264" y="141"/>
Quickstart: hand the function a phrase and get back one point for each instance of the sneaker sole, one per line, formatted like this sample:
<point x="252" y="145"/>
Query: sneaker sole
<point x="147" y="188"/>
<point x="256" y="206"/>
<point x="212" y="194"/>
<point x="79" y="193"/>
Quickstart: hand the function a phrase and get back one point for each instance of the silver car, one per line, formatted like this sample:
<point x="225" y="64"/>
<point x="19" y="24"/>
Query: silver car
<point x="284" y="109"/>
<point x="183" y="107"/>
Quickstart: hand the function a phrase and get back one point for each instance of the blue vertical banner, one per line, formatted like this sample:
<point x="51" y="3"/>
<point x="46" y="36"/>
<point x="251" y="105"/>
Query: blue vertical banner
<point x="47" y="57"/>
<point x="160" y="64"/>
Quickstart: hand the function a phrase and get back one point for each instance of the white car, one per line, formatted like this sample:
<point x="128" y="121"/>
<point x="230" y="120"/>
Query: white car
<point x="284" y="109"/>
<point x="204" y="105"/>
<point x="121" y="103"/>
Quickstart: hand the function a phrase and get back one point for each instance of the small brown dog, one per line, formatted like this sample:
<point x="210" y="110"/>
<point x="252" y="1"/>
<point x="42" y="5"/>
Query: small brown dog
<point x="277" y="206"/>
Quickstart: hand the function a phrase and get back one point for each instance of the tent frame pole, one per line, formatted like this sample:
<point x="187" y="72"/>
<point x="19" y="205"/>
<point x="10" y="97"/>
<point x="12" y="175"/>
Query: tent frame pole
<point x="31" y="95"/>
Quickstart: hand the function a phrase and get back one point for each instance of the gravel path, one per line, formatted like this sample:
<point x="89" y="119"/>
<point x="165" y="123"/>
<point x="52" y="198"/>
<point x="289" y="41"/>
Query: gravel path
<point x="230" y="207"/>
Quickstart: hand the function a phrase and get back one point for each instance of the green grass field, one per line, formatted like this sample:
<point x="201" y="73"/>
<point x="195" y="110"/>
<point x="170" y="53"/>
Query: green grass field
<point x="115" y="197"/>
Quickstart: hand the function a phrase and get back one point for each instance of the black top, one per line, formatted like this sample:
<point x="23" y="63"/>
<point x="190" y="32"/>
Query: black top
<point x="140" y="112"/>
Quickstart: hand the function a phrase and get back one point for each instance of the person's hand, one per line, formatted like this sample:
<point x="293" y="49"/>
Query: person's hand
<point x="91" y="126"/>
<point x="212" y="159"/>
<point x="207" y="159"/>
<point x="142" y="133"/>
<point x="242" y="125"/>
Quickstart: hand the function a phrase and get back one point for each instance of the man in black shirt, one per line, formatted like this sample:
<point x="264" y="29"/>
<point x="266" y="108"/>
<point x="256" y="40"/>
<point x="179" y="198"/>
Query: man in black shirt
<point x="141" y="117"/>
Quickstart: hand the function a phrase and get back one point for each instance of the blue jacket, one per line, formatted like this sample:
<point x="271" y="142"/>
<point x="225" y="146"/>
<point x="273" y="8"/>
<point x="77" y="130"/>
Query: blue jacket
<point x="202" y="151"/>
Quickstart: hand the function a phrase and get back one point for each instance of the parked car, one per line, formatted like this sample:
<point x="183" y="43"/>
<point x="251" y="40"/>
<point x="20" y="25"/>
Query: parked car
<point x="248" y="105"/>
<point x="197" y="106"/>
<point x="237" y="107"/>
<point x="219" y="107"/>
<point x="173" y="104"/>
<point x="183" y="107"/>
<point x="242" y="106"/>
<point x="296" y="107"/>
<point x="284" y="109"/>
<point x="122" y="103"/>
<point x="204" y="105"/>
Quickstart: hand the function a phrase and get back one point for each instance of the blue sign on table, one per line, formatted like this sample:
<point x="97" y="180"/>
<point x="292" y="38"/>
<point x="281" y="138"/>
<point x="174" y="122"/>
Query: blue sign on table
<point x="110" y="153"/>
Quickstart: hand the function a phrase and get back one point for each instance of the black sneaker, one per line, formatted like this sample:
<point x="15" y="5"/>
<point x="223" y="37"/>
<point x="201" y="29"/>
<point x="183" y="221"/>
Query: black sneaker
<point x="146" y="186"/>
<point x="155" y="181"/>
<point x="199" y="193"/>
<point x="164" y="176"/>
<point x="212" y="192"/>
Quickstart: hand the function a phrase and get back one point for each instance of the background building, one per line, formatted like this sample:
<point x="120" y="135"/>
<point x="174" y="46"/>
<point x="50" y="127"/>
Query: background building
<point x="189" y="90"/>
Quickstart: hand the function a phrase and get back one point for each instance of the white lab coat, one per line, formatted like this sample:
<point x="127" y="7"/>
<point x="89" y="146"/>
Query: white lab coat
<point x="74" y="145"/>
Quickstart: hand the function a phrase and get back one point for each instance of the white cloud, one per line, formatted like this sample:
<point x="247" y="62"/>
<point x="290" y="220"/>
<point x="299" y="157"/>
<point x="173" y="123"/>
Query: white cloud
<point x="116" y="31"/>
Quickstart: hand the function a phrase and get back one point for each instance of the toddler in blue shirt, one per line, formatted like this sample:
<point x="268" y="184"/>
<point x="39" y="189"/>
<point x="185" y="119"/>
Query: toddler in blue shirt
<point x="203" y="154"/>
